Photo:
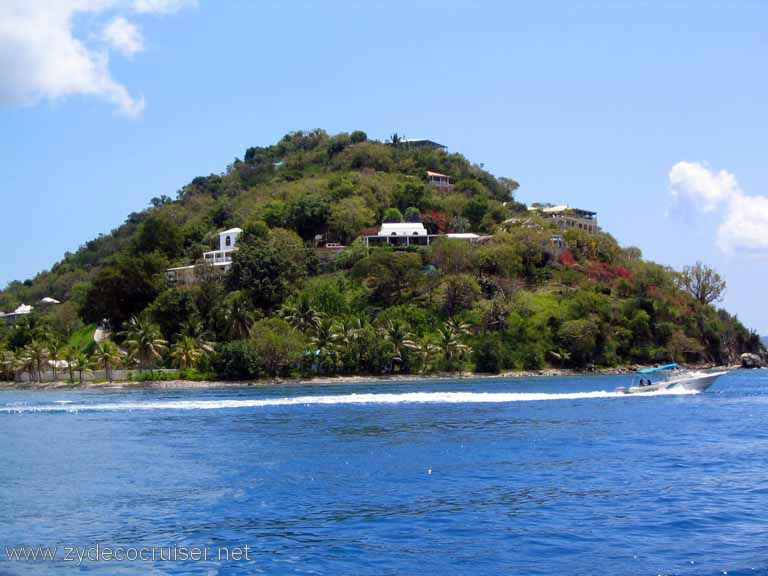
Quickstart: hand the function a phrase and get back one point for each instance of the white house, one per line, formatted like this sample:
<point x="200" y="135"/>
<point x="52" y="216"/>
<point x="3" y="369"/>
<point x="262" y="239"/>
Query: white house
<point x="223" y="256"/>
<point x="412" y="234"/>
<point x="402" y="229"/>
<point x="220" y="259"/>
<point x="11" y="317"/>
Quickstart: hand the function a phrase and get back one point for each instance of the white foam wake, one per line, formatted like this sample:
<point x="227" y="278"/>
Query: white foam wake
<point x="404" y="398"/>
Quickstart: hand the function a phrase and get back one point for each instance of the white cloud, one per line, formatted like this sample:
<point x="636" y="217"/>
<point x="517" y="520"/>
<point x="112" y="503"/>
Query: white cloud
<point x="744" y="225"/>
<point x="696" y="183"/>
<point x="41" y="58"/>
<point x="123" y="36"/>
<point x="161" y="6"/>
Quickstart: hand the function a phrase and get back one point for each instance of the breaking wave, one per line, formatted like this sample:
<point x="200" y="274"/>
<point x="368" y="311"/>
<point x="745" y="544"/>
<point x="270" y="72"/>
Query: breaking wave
<point x="403" y="398"/>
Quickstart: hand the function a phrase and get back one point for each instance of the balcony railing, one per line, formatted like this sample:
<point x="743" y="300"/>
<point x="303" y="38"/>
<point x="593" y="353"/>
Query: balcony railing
<point x="218" y="257"/>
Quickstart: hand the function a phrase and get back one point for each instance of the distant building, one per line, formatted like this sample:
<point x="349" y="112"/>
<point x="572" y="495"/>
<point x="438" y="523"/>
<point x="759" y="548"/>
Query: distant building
<point x="410" y="234"/>
<point x="567" y="217"/>
<point x="402" y="229"/>
<point x="223" y="256"/>
<point x="422" y="143"/>
<point x="215" y="261"/>
<point x="182" y="275"/>
<point x="440" y="181"/>
<point x="11" y="317"/>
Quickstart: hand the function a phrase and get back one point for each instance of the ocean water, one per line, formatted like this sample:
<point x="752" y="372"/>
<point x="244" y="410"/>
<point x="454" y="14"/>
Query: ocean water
<point x="524" y="476"/>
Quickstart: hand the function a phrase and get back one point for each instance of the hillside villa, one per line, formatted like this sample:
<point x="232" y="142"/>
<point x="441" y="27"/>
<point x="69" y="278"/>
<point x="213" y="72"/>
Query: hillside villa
<point x="411" y="234"/>
<point x="217" y="260"/>
<point x="440" y="181"/>
<point x="11" y="317"/>
<point x="567" y="217"/>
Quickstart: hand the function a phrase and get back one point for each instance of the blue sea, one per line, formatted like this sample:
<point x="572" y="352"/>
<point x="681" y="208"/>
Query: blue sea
<point x="523" y="476"/>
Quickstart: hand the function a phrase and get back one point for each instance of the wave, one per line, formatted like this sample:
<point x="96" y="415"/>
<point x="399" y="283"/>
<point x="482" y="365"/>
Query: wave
<point x="403" y="398"/>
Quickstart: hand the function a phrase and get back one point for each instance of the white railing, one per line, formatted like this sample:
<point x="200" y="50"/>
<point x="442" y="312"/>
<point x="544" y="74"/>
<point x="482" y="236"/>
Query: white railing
<point x="218" y="256"/>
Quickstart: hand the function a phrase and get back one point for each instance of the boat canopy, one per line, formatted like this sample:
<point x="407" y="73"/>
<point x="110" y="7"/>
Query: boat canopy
<point x="658" y="369"/>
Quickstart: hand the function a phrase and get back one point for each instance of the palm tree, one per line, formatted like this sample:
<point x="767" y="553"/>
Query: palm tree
<point x="144" y="342"/>
<point x="451" y="348"/>
<point x="301" y="315"/>
<point x="7" y="365"/>
<point x="324" y="342"/>
<point x="238" y="315"/>
<point x="80" y="364"/>
<point x="107" y="356"/>
<point x="425" y="351"/>
<point x="348" y="332"/>
<point x="69" y="357"/>
<point x="186" y="353"/>
<point x="460" y="328"/>
<point x="395" y="140"/>
<point x="195" y="329"/>
<point x="54" y="354"/>
<point x="23" y="362"/>
<point x="400" y="341"/>
<point x="38" y="353"/>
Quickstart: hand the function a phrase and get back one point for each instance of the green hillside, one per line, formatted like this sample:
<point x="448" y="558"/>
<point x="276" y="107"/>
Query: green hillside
<point x="512" y="301"/>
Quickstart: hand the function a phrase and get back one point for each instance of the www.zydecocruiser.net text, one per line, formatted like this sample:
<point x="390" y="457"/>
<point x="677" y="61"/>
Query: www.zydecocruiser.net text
<point x="78" y="555"/>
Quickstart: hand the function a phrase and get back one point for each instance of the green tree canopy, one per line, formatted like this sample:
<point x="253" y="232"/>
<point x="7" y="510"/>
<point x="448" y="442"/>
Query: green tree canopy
<point x="348" y="217"/>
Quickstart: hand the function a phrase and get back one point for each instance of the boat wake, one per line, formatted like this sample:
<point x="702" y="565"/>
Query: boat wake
<point x="404" y="398"/>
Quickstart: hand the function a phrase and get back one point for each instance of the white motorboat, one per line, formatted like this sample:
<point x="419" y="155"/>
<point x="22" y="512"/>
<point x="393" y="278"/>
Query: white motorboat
<point x="670" y="377"/>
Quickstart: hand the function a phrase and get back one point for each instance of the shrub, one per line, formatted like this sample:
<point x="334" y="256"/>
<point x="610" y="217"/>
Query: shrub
<point x="277" y="344"/>
<point x="457" y="293"/>
<point x="236" y="360"/>
<point x="412" y="215"/>
<point x="393" y="215"/>
<point x="488" y="354"/>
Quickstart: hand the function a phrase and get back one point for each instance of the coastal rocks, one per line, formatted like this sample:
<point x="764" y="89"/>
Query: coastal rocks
<point x="749" y="360"/>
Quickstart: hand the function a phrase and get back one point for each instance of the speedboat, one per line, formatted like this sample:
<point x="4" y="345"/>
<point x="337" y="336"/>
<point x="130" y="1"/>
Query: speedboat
<point x="670" y="377"/>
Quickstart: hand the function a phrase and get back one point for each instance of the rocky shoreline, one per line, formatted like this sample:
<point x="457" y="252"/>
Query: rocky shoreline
<point x="168" y="384"/>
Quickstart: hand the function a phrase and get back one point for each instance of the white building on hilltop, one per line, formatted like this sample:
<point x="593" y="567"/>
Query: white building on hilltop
<point x="25" y="309"/>
<point x="411" y="234"/>
<point x="223" y="256"/>
<point x="220" y="259"/>
<point x="402" y="229"/>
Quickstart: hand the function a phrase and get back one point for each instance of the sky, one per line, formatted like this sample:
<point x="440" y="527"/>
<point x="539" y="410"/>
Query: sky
<point x="652" y="114"/>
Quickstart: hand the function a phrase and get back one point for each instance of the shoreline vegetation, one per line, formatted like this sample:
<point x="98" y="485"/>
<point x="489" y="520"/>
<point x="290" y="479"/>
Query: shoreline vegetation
<point x="340" y="256"/>
<point x="324" y="380"/>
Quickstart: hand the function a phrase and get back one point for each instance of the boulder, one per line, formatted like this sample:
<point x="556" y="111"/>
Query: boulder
<point x="749" y="360"/>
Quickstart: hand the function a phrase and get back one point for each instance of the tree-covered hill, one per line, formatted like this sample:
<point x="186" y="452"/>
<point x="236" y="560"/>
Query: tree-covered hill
<point x="512" y="301"/>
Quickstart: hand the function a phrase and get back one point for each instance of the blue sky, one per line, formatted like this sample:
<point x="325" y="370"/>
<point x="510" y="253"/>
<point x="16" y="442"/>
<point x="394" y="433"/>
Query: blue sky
<point x="652" y="114"/>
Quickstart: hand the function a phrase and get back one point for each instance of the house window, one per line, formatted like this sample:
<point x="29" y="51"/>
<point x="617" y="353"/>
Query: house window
<point x="229" y="241"/>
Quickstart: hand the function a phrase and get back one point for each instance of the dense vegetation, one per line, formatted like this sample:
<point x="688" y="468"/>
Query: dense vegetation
<point x="512" y="302"/>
